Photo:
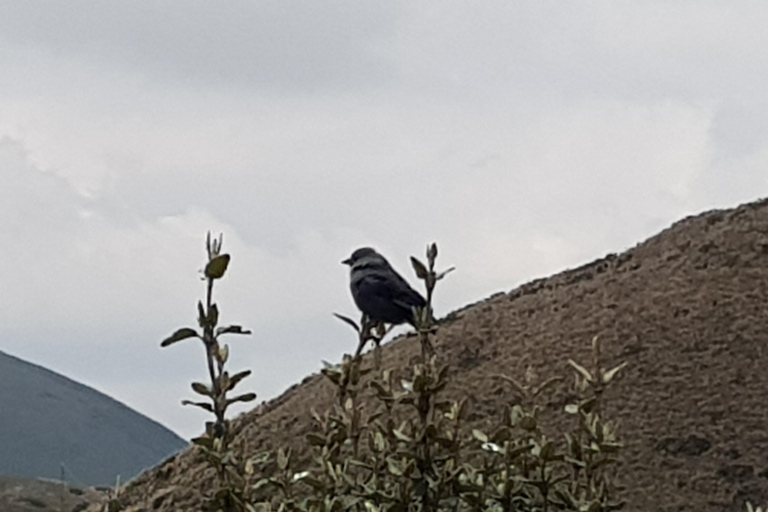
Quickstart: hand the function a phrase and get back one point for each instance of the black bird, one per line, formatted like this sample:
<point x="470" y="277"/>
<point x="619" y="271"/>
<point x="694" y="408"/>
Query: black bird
<point x="379" y="291"/>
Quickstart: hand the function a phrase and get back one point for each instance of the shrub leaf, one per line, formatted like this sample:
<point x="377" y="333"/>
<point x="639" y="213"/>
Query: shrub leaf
<point x="181" y="334"/>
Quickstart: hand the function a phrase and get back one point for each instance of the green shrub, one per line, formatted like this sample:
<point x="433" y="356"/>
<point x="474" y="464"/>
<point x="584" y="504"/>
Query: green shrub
<point x="399" y="445"/>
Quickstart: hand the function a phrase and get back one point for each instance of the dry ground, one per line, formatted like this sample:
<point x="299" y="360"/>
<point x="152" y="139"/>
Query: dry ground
<point x="28" y="495"/>
<point x="687" y="309"/>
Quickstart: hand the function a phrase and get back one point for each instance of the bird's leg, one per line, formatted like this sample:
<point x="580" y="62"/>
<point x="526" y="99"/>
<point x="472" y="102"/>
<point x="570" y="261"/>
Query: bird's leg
<point x="365" y="334"/>
<point x="370" y="330"/>
<point x="381" y="330"/>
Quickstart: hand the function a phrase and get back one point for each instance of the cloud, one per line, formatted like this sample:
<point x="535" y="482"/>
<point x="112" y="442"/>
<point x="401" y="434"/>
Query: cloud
<point x="523" y="137"/>
<point x="91" y="295"/>
<point x="617" y="50"/>
<point x="291" y="44"/>
<point x="38" y="211"/>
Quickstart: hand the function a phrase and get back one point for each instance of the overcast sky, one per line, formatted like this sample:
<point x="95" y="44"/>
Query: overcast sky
<point x="525" y="137"/>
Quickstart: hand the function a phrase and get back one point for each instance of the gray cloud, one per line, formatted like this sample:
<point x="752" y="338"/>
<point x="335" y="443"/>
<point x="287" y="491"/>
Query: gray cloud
<point x="523" y="138"/>
<point x="295" y="45"/>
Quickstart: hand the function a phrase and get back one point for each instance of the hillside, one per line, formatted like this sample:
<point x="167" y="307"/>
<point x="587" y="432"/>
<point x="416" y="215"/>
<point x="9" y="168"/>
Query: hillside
<point x="50" y="421"/>
<point x="687" y="309"/>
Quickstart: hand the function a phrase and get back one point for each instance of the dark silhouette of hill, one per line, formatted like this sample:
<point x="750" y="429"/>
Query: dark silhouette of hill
<point x="687" y="309"/>
<point x="49" y="420"/>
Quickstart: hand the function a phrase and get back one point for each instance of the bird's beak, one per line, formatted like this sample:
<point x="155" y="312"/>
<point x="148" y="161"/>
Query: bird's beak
<point x="347" y="261"/>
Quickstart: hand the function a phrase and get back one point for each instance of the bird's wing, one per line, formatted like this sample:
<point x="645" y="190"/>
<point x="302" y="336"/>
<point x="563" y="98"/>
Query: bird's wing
<point x="392" y="287"/>
<point x="376" y="284"/>
<point x="413" y="298"/>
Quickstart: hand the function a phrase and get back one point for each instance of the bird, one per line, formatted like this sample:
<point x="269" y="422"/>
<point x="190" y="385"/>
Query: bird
<point x="379" y="291"/>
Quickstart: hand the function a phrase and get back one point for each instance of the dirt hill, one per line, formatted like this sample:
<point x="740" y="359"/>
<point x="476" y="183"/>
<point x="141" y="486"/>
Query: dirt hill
<point x="687" y="309"/>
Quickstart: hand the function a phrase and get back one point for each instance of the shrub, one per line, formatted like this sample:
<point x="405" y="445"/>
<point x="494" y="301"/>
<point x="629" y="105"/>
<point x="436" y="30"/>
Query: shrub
<point x="399" y="445"/>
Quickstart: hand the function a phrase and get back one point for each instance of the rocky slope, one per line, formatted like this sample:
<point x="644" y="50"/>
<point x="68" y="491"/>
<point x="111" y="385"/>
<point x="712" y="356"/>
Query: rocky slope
<point x="687" y="309"/>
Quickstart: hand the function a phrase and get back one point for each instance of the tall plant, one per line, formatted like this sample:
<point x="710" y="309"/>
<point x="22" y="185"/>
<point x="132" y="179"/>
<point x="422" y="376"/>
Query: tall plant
<point x="232" y="490"/>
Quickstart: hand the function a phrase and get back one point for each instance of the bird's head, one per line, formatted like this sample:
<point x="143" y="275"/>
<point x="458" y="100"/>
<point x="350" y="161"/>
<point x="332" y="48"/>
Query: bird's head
<point x="362" y="254"/>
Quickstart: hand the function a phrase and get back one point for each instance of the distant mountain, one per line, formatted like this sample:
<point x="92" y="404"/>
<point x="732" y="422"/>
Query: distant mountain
<point x="48" y="420"/>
